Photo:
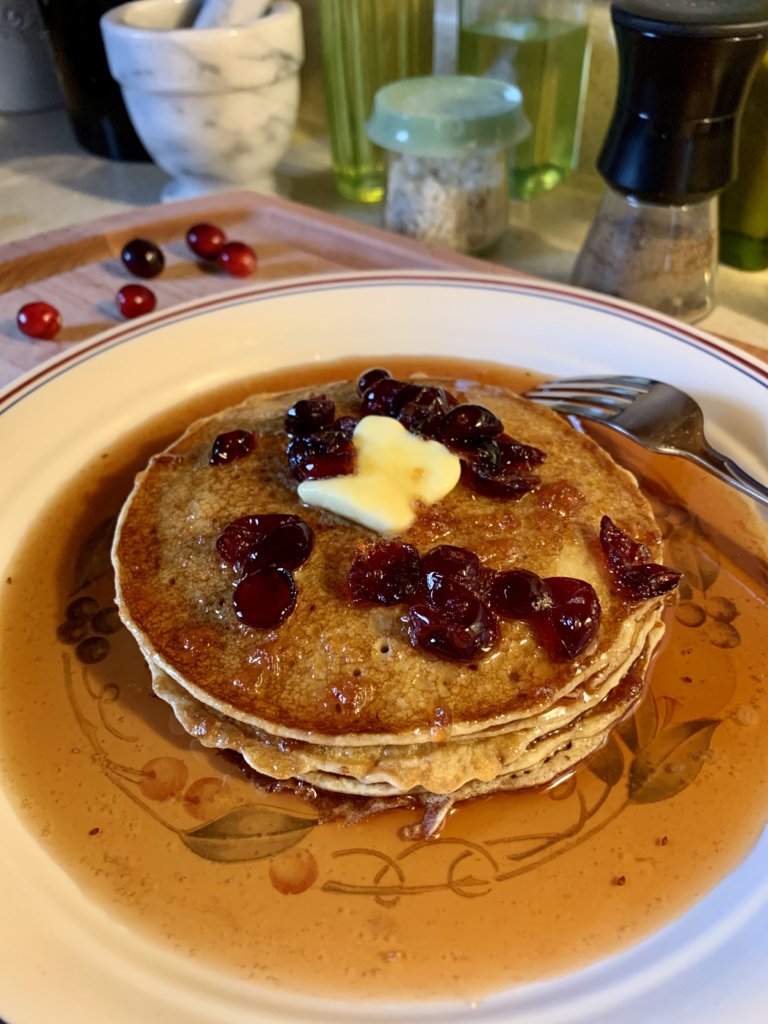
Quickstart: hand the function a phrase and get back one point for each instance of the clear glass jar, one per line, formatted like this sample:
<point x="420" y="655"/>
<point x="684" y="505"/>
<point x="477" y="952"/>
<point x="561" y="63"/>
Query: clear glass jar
<point x="661" y="256"/>
<point x="447" y="139"/>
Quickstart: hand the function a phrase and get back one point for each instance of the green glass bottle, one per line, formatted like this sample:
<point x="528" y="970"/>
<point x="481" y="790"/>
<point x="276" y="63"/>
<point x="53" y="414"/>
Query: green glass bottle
<point x="367" y="44"/>
<point x="744" y="204"/>
<point x="542" y="47"/>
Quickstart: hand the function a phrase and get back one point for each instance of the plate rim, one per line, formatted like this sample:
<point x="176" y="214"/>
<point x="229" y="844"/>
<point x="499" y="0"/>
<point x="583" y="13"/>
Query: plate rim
<point x="688" y="334"/>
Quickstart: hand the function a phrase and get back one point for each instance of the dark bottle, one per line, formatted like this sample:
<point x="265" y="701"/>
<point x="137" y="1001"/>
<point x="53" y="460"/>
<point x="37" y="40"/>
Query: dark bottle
<point x="93" y="98"/>
<point x="684" y="70"/>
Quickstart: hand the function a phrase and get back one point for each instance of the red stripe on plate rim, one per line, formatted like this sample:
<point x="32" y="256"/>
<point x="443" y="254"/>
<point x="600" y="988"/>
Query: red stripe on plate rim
<point x="576" y="296"/>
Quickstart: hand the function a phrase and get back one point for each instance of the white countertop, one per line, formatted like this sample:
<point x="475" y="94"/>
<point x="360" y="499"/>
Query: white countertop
<point x="47" y="181"/>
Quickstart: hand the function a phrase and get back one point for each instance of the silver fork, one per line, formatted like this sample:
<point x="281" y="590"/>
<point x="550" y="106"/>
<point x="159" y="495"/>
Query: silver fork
<point x="655" y="415"/>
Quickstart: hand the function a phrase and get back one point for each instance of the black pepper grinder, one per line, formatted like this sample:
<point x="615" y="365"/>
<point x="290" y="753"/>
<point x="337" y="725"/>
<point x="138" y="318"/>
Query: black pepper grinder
<point x="684" y="71"/>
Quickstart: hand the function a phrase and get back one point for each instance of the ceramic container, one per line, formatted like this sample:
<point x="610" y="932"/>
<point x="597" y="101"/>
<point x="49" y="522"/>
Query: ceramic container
<point x="214" y="107"/>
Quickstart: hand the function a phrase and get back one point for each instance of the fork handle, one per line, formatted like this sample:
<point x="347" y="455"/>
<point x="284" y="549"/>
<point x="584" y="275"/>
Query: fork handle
<point x="730" y="472"/>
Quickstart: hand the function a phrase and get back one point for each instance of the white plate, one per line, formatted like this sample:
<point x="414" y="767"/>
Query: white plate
<point x="62" y="959"/>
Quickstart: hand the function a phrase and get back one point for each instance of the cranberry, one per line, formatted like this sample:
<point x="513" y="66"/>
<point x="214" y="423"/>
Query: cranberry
<point x="502" y="482"/>
<point x="619" y="548"/>
<point x="465" y="425"/>
<point x="500" y="467"/>
<point x="518" y="594"/>
<point x="408" y="392"/>
<point x="565" y="613"/>
<point x="428" y="628"/>
<point x="206" y="240"/>
<point x="142" y="258"/>
<point x="567" y="626"/>
<point x="346" y="425"/>
<point x="134" y="300"/>
<point x="265" y="598"/>
<point x="627" y="559"/>
<point x="369" y="378"/>
<point x="288" y="545"/>
<point x="39" y="320"/>
<point x="237" y="259"/>
<point x="485" y="455"/>
<point x="327" y="452"/>
<point x="233" y="445"/>
<point x="424" y="412"/>
<point x="449" y="560"/>
<point x="308" y="414"/>
<point x="512" y="452"/>
<point x="325" y="467"/>
<point x="453" y="624"/>
<point x="386" y="396"/>
<point x="272" y="538"/>
<point x="452" y="597"/>
<point x="240" y="537"/>
<point x="649" y="580"/>
<point x="387" y="572"/>
<point x="482" y="584"/>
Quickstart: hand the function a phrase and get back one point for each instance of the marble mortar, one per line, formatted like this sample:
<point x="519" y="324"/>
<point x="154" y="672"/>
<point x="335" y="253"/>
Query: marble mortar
<point x="214" y="107"/>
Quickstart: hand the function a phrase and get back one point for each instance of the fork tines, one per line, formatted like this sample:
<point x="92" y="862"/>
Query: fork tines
<point x="593" y="397"/>
<point x="619" y="386"/>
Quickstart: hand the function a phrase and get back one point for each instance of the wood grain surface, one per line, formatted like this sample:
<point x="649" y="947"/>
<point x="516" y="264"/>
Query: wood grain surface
<point x="78" y="268"/>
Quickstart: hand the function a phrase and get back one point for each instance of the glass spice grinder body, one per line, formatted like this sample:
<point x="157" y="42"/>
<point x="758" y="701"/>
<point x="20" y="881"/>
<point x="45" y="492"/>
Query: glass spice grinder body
<point x="671" y="149"/>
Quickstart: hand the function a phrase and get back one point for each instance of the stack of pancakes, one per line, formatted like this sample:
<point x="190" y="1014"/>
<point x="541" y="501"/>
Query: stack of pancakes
<point x="337" y="696"/>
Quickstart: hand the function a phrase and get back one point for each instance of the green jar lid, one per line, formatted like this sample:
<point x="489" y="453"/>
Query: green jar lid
<point x="441" y="115"/>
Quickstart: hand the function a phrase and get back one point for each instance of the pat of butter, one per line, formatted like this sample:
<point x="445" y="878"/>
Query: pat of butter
<point x="394" y="470"/>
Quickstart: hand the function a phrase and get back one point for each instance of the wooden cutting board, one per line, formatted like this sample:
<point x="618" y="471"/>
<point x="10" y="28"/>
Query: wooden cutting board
<point x="78" y="268"/>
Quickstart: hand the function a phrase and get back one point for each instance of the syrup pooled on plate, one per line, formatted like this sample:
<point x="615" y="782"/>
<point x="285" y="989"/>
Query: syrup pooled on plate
<point x="178" y="842"/>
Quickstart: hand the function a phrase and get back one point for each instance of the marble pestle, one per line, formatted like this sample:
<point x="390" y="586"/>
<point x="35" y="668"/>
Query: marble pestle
<point x="229" y="13"/>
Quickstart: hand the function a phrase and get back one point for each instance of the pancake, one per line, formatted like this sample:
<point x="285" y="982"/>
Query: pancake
<point x="338" y="695"/>
<point x="448" y="765"/>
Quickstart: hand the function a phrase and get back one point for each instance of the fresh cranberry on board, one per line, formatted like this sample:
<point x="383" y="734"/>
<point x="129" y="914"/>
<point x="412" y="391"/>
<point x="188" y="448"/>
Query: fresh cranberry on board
<point x="39" y="320"/>
<point x="135" y="300"/>
<point x="142" y="258"/>
<point x="237" y="258"/>
<point x="206" y="240"/>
